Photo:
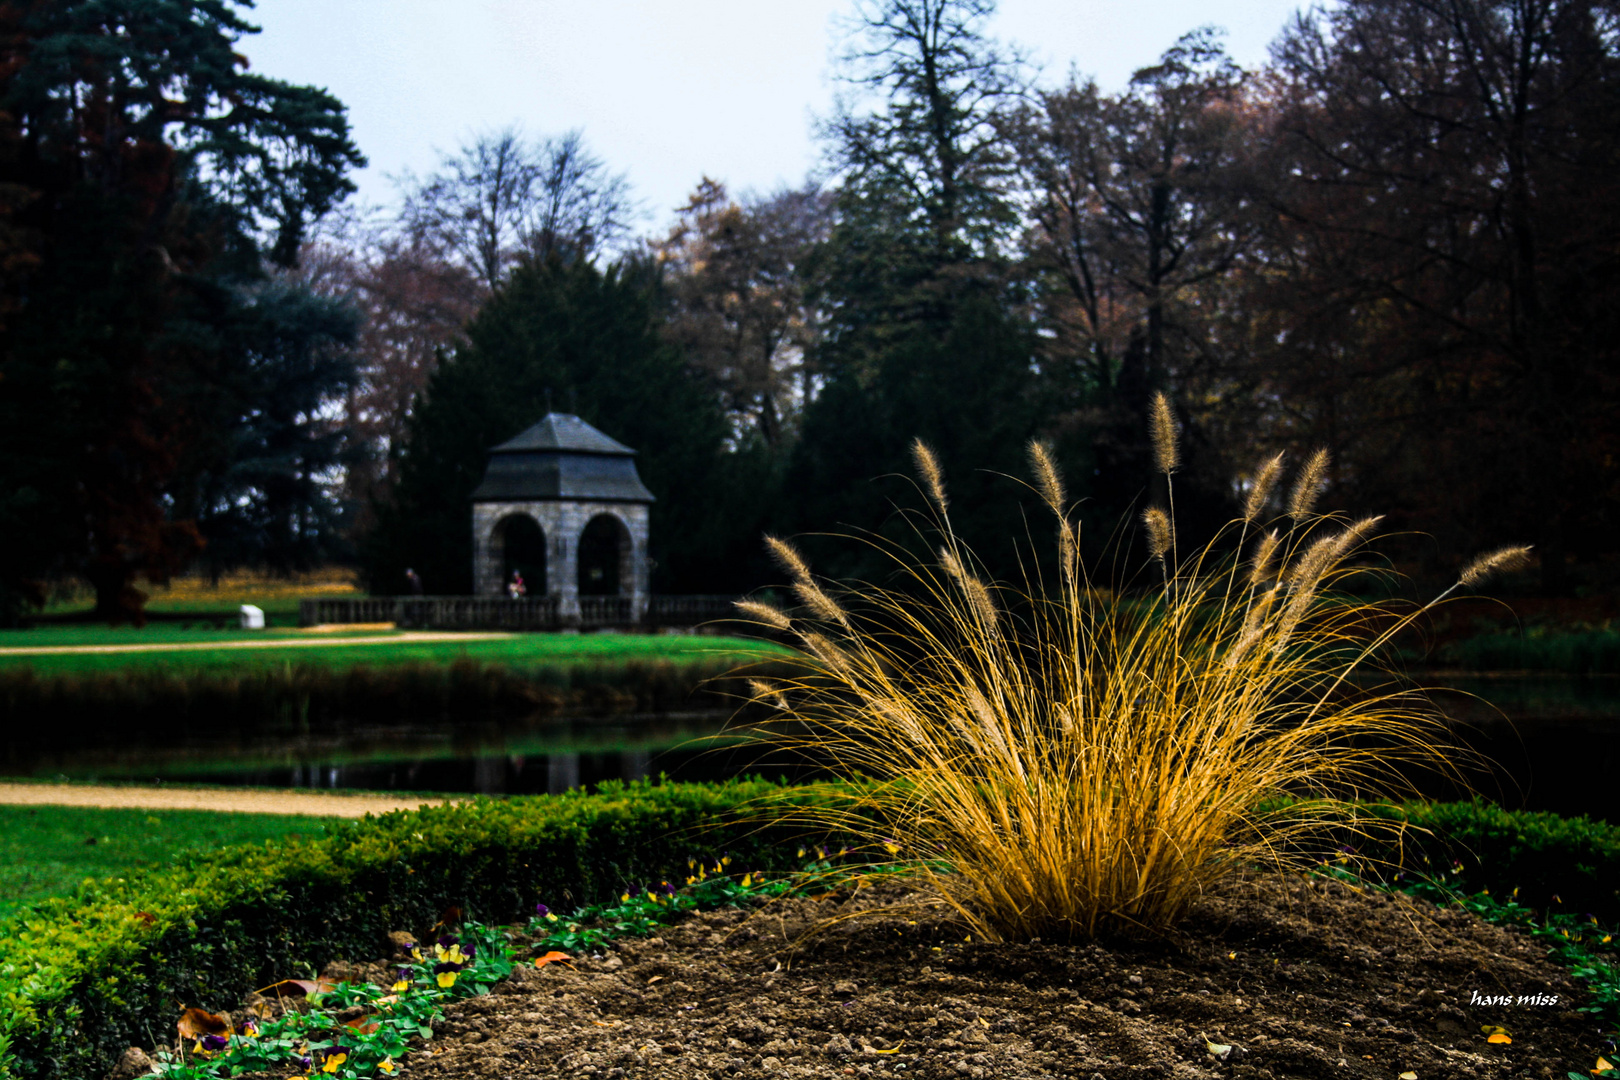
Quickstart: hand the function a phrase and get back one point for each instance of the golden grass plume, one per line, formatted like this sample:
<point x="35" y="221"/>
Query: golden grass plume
<point x="1060" y="762"/>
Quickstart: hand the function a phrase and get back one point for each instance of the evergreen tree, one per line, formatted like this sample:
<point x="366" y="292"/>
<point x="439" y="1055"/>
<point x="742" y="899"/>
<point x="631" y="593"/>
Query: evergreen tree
<point x="141" y="166"/>
<point x="261" y="485"/>
<point x="570" y="336"/>
<point x="922" y="330"/>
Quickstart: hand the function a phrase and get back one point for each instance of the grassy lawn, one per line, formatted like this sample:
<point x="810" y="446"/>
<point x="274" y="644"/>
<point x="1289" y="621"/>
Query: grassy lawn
<point x="47" y="850"/>
<point x="522" y="651"/>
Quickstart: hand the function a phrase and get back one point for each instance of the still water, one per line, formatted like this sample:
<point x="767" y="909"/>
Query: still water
<point x="1554" y="744"/>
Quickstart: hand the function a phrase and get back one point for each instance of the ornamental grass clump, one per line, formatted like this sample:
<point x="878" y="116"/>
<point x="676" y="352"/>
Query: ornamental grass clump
<point x="1061" y="759"/>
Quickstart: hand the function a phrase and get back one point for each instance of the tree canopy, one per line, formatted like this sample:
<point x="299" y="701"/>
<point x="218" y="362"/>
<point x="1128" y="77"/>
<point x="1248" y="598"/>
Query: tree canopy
<point x="568" y="336"/>
<point x="145" y="174"/>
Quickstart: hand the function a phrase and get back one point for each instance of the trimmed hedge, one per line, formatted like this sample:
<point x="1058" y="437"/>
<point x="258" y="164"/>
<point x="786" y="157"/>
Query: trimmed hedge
<point x="83" y="977"/>
<point x="1577" y="652"/>
<point x="1475" y="846"/>
<point x="86" y="976"/>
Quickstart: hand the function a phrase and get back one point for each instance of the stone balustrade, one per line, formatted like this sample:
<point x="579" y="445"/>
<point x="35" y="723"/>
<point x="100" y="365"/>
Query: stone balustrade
<point x="504" y="613"/>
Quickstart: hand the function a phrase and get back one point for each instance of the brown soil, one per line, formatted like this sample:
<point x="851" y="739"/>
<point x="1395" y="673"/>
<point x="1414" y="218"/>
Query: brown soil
<point x="1301" y="978"/>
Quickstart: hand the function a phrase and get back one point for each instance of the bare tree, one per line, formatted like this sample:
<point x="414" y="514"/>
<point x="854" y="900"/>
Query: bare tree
<point x="1138" y="204"/>
<point x="740" y="310"/>
<point x="501" y="198"/>
<point x="414" y="302"/>
<point x="1139" y="219"/>
<point x="579" y="206"/>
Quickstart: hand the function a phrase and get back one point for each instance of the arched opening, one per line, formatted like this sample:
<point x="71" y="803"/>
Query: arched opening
<point x="604" y="548"/>
<point x="523" y="549"/>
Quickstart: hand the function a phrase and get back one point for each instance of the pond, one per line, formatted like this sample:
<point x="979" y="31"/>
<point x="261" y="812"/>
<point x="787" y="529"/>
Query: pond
<point x="1553" y="742"/>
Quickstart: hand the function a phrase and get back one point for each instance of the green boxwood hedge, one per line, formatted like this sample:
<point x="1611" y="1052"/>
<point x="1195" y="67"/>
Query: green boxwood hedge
<point x="1475" y="846"/>
<point x="83" y="977"/>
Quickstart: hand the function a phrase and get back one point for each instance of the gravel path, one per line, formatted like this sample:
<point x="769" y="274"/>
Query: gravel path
<point x="407" y="638"/>
<point x="238" y="800"/>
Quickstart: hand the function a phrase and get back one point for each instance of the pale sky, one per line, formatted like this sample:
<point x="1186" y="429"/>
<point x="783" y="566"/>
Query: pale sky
<point x="665" y="92"/>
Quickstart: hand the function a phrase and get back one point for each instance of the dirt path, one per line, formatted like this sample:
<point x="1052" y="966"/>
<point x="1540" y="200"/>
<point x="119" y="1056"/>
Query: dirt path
<point x="243" y="801"/>
<point x="409" y="637"/>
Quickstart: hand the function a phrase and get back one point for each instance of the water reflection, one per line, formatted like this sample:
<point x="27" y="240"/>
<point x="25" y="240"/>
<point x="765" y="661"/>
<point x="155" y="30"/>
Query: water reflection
<point x="1553" y="741"/>
<point x="522" y="757"/>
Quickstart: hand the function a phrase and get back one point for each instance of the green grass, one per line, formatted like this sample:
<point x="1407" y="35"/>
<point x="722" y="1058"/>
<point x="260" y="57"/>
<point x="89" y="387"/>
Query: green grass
<point x="46" y="850"/>
<point x="524" y="651"/>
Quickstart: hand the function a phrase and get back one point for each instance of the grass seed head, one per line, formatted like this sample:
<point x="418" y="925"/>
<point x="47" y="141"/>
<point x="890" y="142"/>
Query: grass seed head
<point x="1260" y="490"/>
<point x="1264" y="553"/>
<point x="764" y="613"/>
<point x="1166" y="452"/>
<point x="788" y="558"/>
<point x="1502" y="561"/>
<point x="1047" y="475"/>
<point x="1157" y="523"/>
<point x="933" y="477"/>
<point x="1309" y="485"/>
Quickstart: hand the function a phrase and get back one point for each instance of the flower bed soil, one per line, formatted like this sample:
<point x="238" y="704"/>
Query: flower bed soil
<point x="1302" y="978"/>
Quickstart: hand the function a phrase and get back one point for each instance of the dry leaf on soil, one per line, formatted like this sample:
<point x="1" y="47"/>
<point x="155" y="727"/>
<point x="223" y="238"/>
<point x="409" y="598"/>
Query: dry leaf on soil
<point x="195" y="1023"/>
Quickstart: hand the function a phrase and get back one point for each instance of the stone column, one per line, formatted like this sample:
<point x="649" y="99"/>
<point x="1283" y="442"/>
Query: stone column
<point x="565" y="553"/>
<point x="486" y="559"/>
<point x="638" y="579"/>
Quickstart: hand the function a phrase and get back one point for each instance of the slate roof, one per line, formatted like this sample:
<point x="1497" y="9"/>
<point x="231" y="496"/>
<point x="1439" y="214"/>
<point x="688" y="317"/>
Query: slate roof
<point x="560" y="431"/>
<point x="562" y="458"/>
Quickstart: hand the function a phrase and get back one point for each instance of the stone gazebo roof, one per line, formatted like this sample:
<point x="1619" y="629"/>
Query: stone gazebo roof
<point x="562" y="458"/>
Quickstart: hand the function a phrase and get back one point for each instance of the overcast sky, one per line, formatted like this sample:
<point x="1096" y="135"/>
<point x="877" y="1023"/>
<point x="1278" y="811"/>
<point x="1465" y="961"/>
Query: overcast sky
<point x="664" y="91"/>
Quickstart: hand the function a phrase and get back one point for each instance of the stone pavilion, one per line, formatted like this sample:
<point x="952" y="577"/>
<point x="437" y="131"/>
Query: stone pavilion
<point x="562" y="505"/>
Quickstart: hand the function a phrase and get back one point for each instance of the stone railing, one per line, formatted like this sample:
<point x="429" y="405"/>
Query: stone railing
<point x="503" y="613"/>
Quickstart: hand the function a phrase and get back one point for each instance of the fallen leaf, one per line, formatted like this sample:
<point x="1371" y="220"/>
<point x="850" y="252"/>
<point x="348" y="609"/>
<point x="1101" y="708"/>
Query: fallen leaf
<point x="195" y="1023"/>
<point x="304" y="987"/>
<point x="363" y="1025"/>
<point x="654" y="979"/>
<point x="1501" y="1038"/>
<point x="1215" y="1049"/>
<point x="895" y="1049"/>
<point x="1408" y="1076"/>
<point x="542" y="961"/>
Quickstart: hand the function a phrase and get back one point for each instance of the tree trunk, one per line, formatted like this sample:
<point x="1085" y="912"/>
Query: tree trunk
<point x="117" y="599"/>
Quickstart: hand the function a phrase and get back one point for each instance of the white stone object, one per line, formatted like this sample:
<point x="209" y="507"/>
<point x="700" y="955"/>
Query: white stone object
<point x="252" y="617"/>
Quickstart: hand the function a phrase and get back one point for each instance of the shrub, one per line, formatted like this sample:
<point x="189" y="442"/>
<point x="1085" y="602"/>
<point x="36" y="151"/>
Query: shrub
<point x="1549" y="862"/>
<point x="86" y="976"/>
<point x="1062" y="761"/>
<point x="1576" y="652"/>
